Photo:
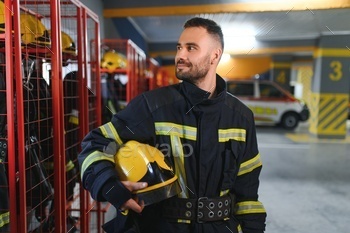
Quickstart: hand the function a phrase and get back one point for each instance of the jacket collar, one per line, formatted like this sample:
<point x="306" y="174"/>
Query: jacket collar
<point x="195" y="95"/>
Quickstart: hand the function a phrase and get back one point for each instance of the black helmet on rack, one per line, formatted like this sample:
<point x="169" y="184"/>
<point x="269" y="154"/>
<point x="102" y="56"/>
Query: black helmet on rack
<point x="139" y="162"/>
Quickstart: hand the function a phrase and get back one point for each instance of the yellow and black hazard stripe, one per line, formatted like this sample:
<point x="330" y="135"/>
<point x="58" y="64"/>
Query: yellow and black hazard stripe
<point x="329" y="113"/>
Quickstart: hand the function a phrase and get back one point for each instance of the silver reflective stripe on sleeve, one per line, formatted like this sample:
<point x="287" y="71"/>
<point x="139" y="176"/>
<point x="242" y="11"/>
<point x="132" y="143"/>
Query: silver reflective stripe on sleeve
<point x="249" y="207"/>
<point x="234" y="134"/>
<point x="182" y="131"/>
<point x="250" y="165"/>
<point x="94" y="157"/>
<point x="109" y="131"/>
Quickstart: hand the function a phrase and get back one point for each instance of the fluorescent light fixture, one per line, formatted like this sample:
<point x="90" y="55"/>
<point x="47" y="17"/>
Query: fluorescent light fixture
<point x="237" y="38"/>
<point x="243" y="42"/>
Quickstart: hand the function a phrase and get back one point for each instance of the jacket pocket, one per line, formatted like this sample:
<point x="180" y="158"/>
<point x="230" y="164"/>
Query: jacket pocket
<point x="230" y="169"/>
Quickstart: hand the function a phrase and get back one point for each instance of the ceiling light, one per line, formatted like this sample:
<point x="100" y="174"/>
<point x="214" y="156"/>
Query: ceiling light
<point x="234" y="43"/>
<point x="225" y="57"/>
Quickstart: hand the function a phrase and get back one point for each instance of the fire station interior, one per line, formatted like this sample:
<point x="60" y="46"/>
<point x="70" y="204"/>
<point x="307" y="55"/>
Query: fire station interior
<point x="67" y="66"/>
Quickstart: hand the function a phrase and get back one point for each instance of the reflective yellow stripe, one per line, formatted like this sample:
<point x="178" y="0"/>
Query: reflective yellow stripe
<point x="4" y="219"/>
<point x="50" y="165"/>
<point x="239" y="229"/>
<point x="234" y="134"/>
<point x="93" y="157"/>
<point x="250" y="165"/>
<point x="182" y="131"/>
<point x="249" y="207"/>
<point x="223" y="193"/>
<point x="111" y="107"/>
<point x="178" y="156"/>
<point x="109" y="131"/>
<point x="124" y="212"/>
<point x="69" y="166"/>
<point x="74" y="120"/>
<point x="183" y="221"/>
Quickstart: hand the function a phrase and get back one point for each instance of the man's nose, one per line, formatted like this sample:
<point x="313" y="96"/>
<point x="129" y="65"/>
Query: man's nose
<point x="181" y="55"/>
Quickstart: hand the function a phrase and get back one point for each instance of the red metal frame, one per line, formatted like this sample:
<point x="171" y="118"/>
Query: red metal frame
<point x="15" y="110"/>
<point x="11" y="138"/>
<point x="136" y="66"/>
<point x="58" y="116"/>
<point x="85" y="125"/>
<point x="152" y="73"/>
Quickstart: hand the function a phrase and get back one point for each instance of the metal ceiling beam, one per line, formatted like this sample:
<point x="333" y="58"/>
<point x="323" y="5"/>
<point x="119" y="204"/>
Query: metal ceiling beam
<point x="253" y="52"/>
<point x="238" y="7"/>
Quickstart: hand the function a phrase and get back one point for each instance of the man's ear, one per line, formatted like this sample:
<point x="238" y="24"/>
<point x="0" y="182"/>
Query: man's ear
<point x="217" y="56"/>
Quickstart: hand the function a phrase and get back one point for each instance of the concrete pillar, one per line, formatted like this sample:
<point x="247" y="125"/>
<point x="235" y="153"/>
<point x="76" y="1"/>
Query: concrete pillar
<point x="280" y="70"/>
<point x="330" y="87"/>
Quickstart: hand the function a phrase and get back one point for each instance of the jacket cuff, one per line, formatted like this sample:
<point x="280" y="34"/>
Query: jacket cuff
<point x="115" y="193"/>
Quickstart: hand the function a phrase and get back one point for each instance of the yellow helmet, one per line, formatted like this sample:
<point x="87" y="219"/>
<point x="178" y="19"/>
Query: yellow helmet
<point x="68" y="45"/>
<point x="33" y="31"/>
<point x="2" y="17"/>
<point x="139" y="162"/>
<point x="113" y="60"/>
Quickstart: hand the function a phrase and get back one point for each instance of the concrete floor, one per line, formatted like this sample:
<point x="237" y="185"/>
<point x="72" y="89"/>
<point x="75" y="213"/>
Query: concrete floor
<point x="305" y="187"/>
<point x="305" y="182"/>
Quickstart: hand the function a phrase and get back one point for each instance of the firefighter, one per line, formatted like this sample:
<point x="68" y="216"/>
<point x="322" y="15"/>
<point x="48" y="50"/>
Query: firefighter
<point x="207" y="135"/>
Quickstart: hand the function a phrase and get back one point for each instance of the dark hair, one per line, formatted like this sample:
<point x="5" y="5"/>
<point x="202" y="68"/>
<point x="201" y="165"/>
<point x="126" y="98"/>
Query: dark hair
<point x="211" y="26"/>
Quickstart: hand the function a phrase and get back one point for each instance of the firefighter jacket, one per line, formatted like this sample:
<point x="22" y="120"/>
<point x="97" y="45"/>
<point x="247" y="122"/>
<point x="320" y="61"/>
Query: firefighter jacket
<point x="210" y="143"/>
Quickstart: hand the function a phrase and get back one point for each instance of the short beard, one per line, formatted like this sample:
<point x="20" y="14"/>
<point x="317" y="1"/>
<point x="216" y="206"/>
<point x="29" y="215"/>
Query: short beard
<point x="190" y="78"/>
<point x="195" y="75"/>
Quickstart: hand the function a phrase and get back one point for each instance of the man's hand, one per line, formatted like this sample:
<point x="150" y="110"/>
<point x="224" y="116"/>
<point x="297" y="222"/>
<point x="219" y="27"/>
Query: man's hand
<point x="133" y="203"/>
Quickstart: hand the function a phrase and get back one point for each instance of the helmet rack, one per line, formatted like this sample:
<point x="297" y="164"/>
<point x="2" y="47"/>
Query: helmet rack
<point x="49" y="100"/>
<point x="124" y="80"/>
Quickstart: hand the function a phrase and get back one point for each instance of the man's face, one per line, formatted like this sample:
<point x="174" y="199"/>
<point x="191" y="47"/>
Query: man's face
<point x="194" y="50"/>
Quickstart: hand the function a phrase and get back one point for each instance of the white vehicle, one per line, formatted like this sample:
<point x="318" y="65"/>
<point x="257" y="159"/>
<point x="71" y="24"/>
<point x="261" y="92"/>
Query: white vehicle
<point x="270" y="103"/>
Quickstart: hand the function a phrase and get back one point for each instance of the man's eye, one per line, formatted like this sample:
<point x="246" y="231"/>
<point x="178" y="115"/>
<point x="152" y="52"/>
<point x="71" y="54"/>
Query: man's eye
<point x="178" y="48"/>
<point x="190" y="47"/>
